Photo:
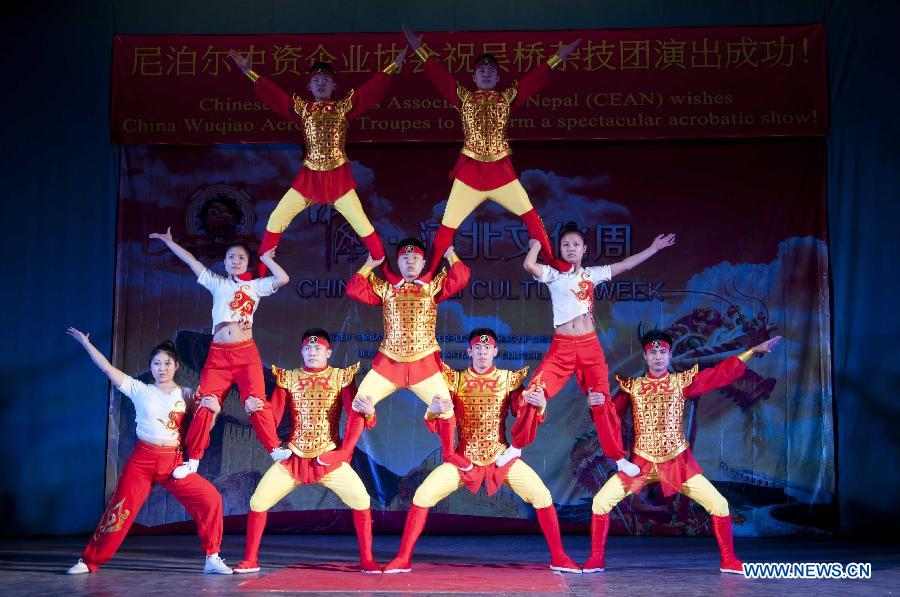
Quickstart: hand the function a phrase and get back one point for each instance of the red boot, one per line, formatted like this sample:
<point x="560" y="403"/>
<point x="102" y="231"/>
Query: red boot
<point x="536" y="230"/>
<point x="443" y="238"/>
<point x="599" y="531"/>
<point x="362" y="521"/>
<point x="559" y="561"/>
<point x="415" y="522"/>
<point x="722" y="529"/>
<point x="447" y="435"/>
<point x="256" y="524"/>
<point x="270" y="241"/>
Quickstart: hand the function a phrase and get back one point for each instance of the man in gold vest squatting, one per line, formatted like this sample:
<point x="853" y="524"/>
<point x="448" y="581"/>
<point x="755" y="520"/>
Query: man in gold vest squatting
<point x="315" y="396"/>
<point x="482" y="397"/>
<point x="660" y="447"/>
<point x="409" y="355"/>
<point x="484" y="170"/>
<point x="325" y="177"/>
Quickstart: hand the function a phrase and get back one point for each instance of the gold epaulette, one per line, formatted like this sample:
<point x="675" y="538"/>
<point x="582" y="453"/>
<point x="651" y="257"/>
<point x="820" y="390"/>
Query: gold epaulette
<point x="686" y="378"/>
<point x="517" y="378"/>
<point x="348" y="373"/>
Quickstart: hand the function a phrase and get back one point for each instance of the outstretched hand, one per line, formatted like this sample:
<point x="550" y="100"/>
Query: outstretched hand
<point x="243" y="62"/>
<point x="166" y="237"/>
<point x="565" y="51"/>
<point x="414" y="41"/>
<point x="373" y="263"/>
<point x="595" y="398"/>
<point x="448" y="252"/>
<point x="662" y="241"/>
<point x="767" y="346"/>
<point x="268" y="255"/>
<point x="364" y="405"/>
<point x="80" y="337"/>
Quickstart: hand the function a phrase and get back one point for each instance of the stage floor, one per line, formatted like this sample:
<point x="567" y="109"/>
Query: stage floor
<point x="511" y="565"/>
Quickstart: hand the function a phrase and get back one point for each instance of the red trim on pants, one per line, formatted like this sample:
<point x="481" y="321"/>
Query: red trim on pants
<point x="227" y="364"/>
<point x="149" y="464"/>
<point x="582" y="355"/>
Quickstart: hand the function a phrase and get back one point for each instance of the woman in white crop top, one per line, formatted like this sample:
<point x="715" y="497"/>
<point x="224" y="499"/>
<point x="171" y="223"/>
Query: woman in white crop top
<point x="233" y="357"/>
<point x="159" y="409"/>
<point x="575" y="347"/>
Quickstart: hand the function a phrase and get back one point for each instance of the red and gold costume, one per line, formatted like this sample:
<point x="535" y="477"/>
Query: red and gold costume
<point x="481" y="402"/>
<point x="325" y="177"/>
<point x="484" y="170"/>
<point x="315" y="398"/>
<point x="409" y="355"/>
<point x="662" y="452"/>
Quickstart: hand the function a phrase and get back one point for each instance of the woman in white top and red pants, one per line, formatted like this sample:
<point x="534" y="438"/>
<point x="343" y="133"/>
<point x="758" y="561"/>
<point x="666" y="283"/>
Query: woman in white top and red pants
<point x="159" y="410"/>
<point x="575" y="347"/>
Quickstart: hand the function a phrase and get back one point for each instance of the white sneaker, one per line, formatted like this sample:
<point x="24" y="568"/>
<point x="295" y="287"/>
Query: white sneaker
<point x="79" y="568"/>
<point x="186" y="469"/>
<point x="216" y="565"/>
<point x="507" y="455"/>
<point x="628" y="467"/>
<point x="279" y="454"/>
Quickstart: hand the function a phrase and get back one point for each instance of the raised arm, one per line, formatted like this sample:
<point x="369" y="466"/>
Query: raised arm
<point x="114" y="375"/>
<point x="537" y="77"/>
<point x="437" y="73"/>
<point x="180" y="251"/>
<point x="266" y="90"/>
<point x="660" y="242"/>
<point x="531" y="265"/>
<point x="370" y="93"/>
<point x="281" y="277"/>
<point x="727" y="371"/>
<point x="456" y="279"/>
<point x="360" y="288"/>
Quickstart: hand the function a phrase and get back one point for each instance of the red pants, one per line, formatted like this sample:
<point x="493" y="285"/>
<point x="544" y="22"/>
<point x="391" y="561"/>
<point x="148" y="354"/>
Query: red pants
<point x="227" y="364"/>
<point x="583" y="356"/>
<point x="150" y="464"/>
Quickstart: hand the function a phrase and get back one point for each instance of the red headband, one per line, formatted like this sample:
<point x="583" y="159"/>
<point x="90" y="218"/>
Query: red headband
<point x="410" y="249"/>
<point x="483" y="339"/>
<point x="316" y="340"/>
<point x="657" y="344"/>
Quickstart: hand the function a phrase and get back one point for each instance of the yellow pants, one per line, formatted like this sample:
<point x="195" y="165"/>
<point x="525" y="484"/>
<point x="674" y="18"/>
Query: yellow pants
<point x="698" y="488"/>
<point x="464" y="199"/>
<point x="446" y="479"/>
<point x="278" y="482"/>
<point x="377" y="387"/>
<point x="348" y="205"/>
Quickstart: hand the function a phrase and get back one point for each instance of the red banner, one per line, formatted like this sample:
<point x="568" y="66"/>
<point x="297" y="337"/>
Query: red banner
<point x="619" y="84"/>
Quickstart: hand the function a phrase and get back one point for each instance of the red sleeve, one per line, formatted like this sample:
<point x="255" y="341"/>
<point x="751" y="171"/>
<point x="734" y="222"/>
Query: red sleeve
<point x="274" y="96"/>
<point x="456" y="280"/>
<point x="531" y="83"/>
<point x="524" y="430"/>
<point x="277" y="401"/>
<point x="442" y="79"/>
<point x="355" y="423"/>
<point x="348" y="393"/>
<point x="369" y="94"/>
<point x="621" y="403"/>
<point x="359" y="288"/>
<point x="716" y="377"/>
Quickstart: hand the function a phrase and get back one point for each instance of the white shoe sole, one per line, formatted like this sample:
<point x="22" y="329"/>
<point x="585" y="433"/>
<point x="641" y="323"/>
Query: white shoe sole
<point x="371" y="571"/>
<point x="727" y="571"/>
<point x="397" y="571"/>
<point x="591" y="570"/>
<point x="569" y="570"/>
<point x="245" y="570"/>
<point x="224" y="572"/>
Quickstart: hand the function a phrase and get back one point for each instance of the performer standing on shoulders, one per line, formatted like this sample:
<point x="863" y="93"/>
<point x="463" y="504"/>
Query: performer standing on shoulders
<point x="575" y="347"/>
<point x="482" y="397"/>
<point x="315" y="395"/>
<point x="233" y="356"/>
<point x="159" y="409"/>
<point x="661" y="450"/>
<point x="409" y="355"/>
<point x="484" y="170"/>
<point x="325" y="177"/>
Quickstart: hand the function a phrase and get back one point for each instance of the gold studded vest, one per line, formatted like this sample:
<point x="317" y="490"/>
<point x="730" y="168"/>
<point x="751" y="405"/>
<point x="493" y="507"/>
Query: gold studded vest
<point x="485" y="119"/>
<point x="410" y="316"/>
<point x="324" y="131"/>
<point x="483" y="401"/>
<point x="315" y="403"/>
<point x="658" y="410"/>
